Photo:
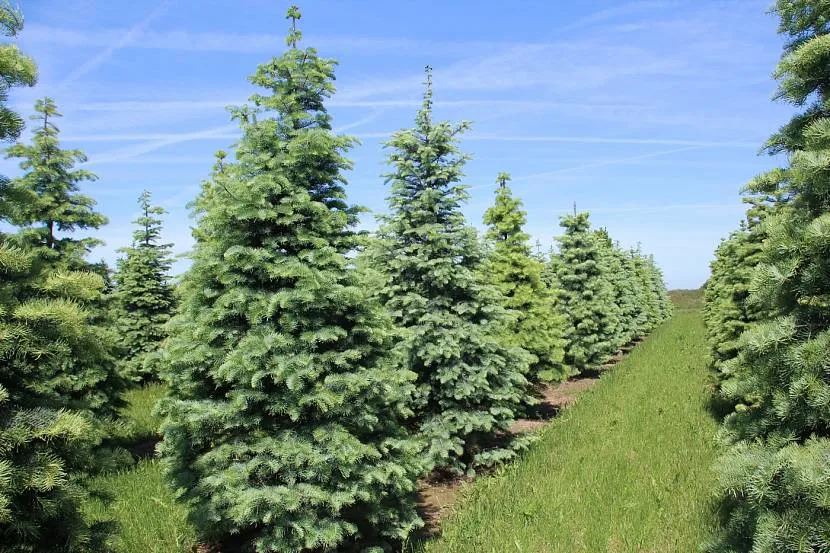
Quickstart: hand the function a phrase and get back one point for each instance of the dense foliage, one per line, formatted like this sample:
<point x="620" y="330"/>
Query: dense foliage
<point x="44" y="446"/>
<point x="46" y="430"/>
<point x="774" y="473"/>
<point x="312" y="375"/>
<point x="470" y="384"/>
<point x="727" y="311"/>
<point x="283" y="419"/>
<point x="46" y="208"/>
<point x="609" y="297"/>
<point x="535" y="323"/>
<point x="143" y="295"/>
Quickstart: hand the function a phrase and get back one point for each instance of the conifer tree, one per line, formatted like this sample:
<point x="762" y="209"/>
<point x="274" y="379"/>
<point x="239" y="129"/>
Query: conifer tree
<point x="47" y="203"/>
<point x="46" y="430"/>
<point x="535" y="323"/>
<point x="659" y="290"/>
<point x="143" y="297"/>
<point x="726" y="310"/>
<point x="587" y="295"/>
<point x="622" y="284"/>
<point x="42" y="445"/>
<point x="46" y="207"/>
<point x="774" y="474"/>
<point x="282" y="425"/>
<point x="470" y="385"/>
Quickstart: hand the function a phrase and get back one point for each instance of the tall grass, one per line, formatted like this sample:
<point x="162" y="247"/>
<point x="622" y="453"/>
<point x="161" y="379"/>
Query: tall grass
<point x="627" y="469"/>
<point x="139" y="412"/>
<point x="148" y="518"/>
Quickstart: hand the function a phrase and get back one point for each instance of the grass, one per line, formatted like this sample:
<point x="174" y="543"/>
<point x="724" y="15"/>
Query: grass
<point x="626" y="469"/>
<point x="139" y="414"/>
<point x="148" y="518"/>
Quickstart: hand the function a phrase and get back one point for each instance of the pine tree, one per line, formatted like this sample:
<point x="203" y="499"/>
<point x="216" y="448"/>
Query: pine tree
<point x="282" y="423"/>
<point x="470" y="385"/>
<point x="774" y="475"/>
<point x="43" y="447"/>
<point x="587" y="295"/>
<point x="46" y="207"/>
<point x="535" y="323"/>
<point x="143" y="297"/>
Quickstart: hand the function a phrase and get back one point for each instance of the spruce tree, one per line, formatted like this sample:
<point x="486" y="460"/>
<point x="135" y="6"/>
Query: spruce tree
<point x="535" y="323"/>
<point x="470" y="385"/>
<point x="43" y="447"/>
<point x="587" y="295"/>
<point x="774" y="475"/>
<point x="282" y="427"/>
<point x="143" y="296"/>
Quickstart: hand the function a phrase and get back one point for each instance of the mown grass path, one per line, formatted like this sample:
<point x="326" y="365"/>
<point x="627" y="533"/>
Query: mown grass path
<point x="626" y="469"/>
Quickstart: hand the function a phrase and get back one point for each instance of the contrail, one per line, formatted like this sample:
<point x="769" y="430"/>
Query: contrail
<point x="104" y="56"/>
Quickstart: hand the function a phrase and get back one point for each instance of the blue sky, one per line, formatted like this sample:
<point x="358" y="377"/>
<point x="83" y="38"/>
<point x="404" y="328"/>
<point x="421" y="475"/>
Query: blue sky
<point x="647" y="113"/>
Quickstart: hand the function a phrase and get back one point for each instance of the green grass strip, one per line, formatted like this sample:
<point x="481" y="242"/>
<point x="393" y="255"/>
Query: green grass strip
<point x="626" y="469"/>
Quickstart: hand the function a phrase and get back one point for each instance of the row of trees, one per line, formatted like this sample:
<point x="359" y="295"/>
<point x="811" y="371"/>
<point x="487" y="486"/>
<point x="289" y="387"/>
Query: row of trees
<point x="315" y="373"/>
<point x="767" y="309"/>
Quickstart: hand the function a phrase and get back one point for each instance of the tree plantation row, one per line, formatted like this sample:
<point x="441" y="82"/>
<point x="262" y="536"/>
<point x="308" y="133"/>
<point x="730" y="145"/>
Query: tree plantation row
<point x="767" y="311"/>
<point x="314" y="373"/>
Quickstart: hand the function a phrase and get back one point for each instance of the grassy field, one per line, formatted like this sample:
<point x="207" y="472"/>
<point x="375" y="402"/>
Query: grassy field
<point x="627" y="469"/>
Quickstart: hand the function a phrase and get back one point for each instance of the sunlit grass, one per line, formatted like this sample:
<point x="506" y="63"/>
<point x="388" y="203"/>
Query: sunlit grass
<point x="627" y="469"/>
<point x="148" y="518"/>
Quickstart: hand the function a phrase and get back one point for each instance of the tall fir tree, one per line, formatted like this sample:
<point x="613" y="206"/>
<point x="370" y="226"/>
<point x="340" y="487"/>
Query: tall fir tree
<point x="470" y="385"/>
<point x="47" y="201"/>
<point x="143" y="296"/>
<point x="46" y="207"/>
<point x="774" y="474"/>
<point x="535" y="324"/>
<point x="43" y="447"/>
<point x="623" y="287"/>
<point x="587" y="295"/>
<point x="282" y="427"/>
<point x="726" y="309"/>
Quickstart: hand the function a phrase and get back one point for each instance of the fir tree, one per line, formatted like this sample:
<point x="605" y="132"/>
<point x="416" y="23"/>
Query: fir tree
<point x="469" y="384"/>
<point x="587" y="295"/>
<point x="144" y="295"/>
<point x="623" y="287"/>
<point x="774" y="475"/>
<point x="282" y="423"/>
<point x="43" y="447"/>
<point x="46" y="431"/>
<point x="47" y="203"/>
<point x="535" y="324"/>
<point x="46" y="207"/>
<point x="726" y="310"/>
